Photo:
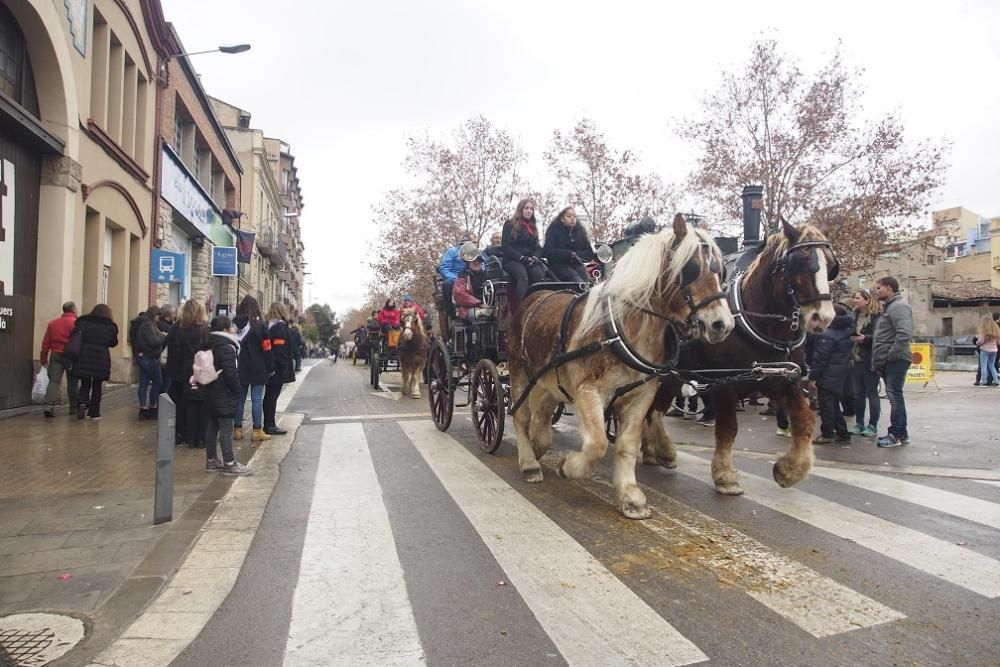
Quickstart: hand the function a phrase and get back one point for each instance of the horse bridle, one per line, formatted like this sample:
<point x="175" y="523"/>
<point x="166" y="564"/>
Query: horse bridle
<point x="689" y="274"/>
<point x="784" y="266"/>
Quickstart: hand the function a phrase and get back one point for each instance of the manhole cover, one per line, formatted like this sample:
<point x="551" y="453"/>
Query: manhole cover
<point x="29" y="640"/>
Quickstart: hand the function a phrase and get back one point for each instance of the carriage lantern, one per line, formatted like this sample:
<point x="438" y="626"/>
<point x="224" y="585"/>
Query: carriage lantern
<point x="468" y="252"/>
<point x="604" y="253"/>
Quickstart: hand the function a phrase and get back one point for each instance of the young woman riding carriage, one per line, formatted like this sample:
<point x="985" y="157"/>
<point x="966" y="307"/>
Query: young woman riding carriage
<point x="781" y="296"/>
<point x="618" y="332"/>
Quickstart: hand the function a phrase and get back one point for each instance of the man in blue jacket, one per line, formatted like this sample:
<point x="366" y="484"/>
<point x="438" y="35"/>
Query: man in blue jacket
<point x="831" y="360"/>
<point x="450" y="266"/>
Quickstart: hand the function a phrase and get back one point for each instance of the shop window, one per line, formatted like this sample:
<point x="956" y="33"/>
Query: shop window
<point x="16" y="79"/>
<point x="948" y="325"/>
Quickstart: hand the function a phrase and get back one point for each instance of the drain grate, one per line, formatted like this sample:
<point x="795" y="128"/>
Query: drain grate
<point x="32" y="640"/>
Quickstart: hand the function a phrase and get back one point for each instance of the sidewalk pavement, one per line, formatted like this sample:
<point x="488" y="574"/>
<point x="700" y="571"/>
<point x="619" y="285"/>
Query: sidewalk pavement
<point x="76" y="512"/>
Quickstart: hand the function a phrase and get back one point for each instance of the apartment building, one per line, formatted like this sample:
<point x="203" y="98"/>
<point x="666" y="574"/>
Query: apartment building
<point x="290" y="275"/>
<point x="200" y="178"/>
<point x="77" y="144"/>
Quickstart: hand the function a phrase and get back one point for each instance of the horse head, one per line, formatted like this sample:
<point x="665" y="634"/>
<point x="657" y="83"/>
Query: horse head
<point x="805" y="264"/>
<point x="411" y="324"/>
<point x="676" y="275"/>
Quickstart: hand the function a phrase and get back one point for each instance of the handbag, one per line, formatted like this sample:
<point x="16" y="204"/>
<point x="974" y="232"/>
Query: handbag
<point x="74" y="346"/>
<point x="194" y="392"/>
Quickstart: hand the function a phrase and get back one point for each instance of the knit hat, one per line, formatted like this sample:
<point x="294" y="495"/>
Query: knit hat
<point x="407" y="297"/>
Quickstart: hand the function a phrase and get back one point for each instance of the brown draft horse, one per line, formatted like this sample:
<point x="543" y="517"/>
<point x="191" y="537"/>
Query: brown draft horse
<point x="412" y="350"/>
<point x="669" y="277"/>
<point x="783" y="295"/>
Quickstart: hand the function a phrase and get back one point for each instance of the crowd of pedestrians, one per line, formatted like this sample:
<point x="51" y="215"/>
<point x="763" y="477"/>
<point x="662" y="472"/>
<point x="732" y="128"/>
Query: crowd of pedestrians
<point x="207" y="368"/>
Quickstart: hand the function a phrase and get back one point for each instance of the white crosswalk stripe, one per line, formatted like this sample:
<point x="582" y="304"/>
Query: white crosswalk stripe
<point x="596" y="621"/>
<point x="931" y="555"/>
<point x="350" y="602"/>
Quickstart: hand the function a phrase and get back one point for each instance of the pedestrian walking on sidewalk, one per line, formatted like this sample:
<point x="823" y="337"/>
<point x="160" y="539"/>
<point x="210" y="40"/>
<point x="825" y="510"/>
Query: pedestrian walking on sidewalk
<point x="988" y="334"/>
<point x="53" y="344"/>
<point x="284" y="368"/>
<point x="221" y="396"/>
<point x="863" y="378"/>
<point x="182" y="342"/>
<point x="147" y="344"/>
<point x="829" y="368"/>
<point x="256" y="365"/>
<point x="99" y="334"/>
<point x="167" y="320"/>
<point x="891" y="356"/>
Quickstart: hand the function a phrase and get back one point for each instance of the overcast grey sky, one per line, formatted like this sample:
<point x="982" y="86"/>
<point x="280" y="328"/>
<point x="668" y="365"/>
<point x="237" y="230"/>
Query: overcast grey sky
<point x="345" y="82"/>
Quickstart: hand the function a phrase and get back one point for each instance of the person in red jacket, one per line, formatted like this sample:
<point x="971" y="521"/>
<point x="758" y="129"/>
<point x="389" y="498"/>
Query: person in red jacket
<point x="468" y="292"/>
<point x="388" y="317"/>
<point x="408" y="302"/>
<point x="56" y="335"/>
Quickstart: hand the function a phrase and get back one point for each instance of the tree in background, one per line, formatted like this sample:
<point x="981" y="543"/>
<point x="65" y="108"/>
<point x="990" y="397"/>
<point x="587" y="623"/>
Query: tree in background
<point x="325" y="321"/>
<point x="804" y="137"/>
<point x="601" y="182"/>
<point x="466" y="186"/>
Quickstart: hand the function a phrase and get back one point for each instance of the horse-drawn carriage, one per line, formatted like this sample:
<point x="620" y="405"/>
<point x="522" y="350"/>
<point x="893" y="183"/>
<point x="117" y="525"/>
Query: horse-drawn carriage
<point x="364" y="340"/>
<point x="470" y="357"/>
<point x="384" y="354"/>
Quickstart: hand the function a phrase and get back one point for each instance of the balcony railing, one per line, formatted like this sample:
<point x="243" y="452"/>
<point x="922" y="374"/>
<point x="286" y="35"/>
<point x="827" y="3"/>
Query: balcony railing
<point x="265" y="241"/>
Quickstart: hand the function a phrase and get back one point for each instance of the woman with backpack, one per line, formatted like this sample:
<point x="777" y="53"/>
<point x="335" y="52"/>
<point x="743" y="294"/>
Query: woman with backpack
<point x="215" y="368"/>
<point x="284" y="369"/>
<point x="184" y="339"/>
<point x="92" y="367"/>
<point x="256" y="364"/>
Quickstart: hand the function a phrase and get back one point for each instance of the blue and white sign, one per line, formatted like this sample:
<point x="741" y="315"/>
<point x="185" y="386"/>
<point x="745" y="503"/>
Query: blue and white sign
<point x="223" y="261"/>
<point x="186" y="195"/>
<point x="167" y="267"/>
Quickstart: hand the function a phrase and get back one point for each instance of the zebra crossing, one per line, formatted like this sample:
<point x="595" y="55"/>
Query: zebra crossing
<point x="352" y="602"/>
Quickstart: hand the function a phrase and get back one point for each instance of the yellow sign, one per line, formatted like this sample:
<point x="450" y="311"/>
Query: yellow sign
<point x="922" y="367"/>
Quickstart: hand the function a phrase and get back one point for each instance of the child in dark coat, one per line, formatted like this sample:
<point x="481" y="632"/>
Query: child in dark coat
<point x="222" y="395"/>
<point x="830" y="364"/>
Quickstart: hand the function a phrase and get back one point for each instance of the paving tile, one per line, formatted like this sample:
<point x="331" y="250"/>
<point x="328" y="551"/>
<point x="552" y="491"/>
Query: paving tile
<point x="23" y="544"/>
<point x="57" y="559"/>
<point x="85" y="602"/>
<point x="141" y="652"/>
<point x="168" y="625"/>
<point x="104" y="577"/>
<point x="19" y="588"/>
<point x="135" y="551"/>
<point x="86" y="538"/>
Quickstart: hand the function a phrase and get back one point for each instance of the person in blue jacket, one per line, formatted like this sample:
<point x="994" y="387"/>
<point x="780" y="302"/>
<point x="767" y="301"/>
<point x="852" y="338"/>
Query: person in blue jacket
<point x="831" y="361"/>
<point x="450" y="266"/>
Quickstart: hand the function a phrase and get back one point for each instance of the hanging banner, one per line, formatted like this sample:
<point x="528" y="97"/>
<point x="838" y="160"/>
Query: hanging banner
<point x="244" y="245"/>
<point x="223" y="261"/>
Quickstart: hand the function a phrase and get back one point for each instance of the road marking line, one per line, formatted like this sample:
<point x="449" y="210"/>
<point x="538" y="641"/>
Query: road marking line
<point x="362" y="418"/>
<point x="350" y="602"/>
<point x="590" y="615"/>
<point x="947" y="561"/>
<point x="991" y="482"/>
<point x="289" y="393"/>
<point x="955" y="504"/>
<point x="817" y="604"/>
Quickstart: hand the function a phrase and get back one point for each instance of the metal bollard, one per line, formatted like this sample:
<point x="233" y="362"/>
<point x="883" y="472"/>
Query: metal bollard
<point x="166" y="426"/>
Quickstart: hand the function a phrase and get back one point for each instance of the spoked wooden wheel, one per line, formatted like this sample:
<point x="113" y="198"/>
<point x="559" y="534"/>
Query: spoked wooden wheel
<point x="488" y="405"/>
<point x="611" y="426"/>
<point x="557" y="415"/>
<point x="439" y="388"/>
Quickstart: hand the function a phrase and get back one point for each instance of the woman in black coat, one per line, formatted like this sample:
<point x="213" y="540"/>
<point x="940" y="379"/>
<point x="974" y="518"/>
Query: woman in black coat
<point x="255" y="367"/>
<point x="828" y="368"/>
<point x="284" y="368"/>
<point x="567" y="247"/>
<point x="93" y="367"/>
<point x="185" y="338"/>
<point x="522" y="253"/>
<point x="220" y="399"/>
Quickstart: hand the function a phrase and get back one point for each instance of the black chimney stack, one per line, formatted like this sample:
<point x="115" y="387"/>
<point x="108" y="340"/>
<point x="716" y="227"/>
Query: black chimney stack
<point x="753" y="204"/>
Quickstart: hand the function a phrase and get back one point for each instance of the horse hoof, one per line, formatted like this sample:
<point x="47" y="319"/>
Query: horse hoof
<point x="560" y="472"/>
<point x="733" y="489"/>
<point x="632" y="511"/>
<point x="650" y="461"/>
<point x="786" y="474"/>
<point x="533" y="476"/>
<point x="417" y="396"/>
<point x="669" y="465"/>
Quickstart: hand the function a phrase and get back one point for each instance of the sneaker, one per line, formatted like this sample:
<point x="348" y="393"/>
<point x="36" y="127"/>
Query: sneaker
<point x="235" y="469"/>
<point x="890" y="440"/>
<point x="824" y="440"/>
<point x="843" y="440"/>
<point x="81" y="411"/>
<point x="213" y="465"/>
<point x="784" y="432"/>
<point x="870" y="431"/>
<point x="858" y="429"/>
<point x="706" y="422"/>
<point x="674" y="412"/>
<point x="95" y="418"/>
<point x="49" y="414"/>
<point x="274" y="430"/>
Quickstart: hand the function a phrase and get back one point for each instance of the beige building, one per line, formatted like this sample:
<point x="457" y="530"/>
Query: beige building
<point x="78" y="100"/>
<point x="260" y="204"/>
<point x="290" y="276"/>
<point x="950" y="273"/>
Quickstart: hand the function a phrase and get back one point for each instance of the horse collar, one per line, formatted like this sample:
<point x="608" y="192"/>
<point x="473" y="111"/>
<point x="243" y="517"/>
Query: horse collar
<point x="630" y="356"/>
<point x="735" y="299"/>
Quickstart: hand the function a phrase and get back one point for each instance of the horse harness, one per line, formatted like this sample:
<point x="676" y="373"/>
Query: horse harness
<point x="615" y="338"/>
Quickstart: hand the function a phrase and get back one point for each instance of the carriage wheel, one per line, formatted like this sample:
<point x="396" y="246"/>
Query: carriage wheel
<point x="439" y="387"/>
<point x="488" y="405"/>
<point x="375" y="369"/>
<point x="557" y="415"/>
<point x="611" y="426"/>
